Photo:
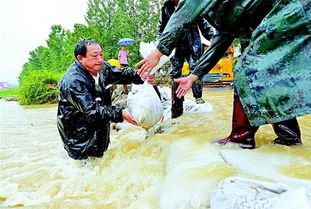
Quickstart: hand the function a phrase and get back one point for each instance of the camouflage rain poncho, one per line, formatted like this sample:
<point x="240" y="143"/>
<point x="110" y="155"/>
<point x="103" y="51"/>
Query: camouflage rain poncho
<point x="273" y="75"/>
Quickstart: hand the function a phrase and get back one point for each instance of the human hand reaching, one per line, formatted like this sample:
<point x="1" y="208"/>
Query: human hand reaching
<point x="148" y="77"/>
<point x="128" y="117"/>
<point x="185" y="84"/>
<point x="149" y="62"/>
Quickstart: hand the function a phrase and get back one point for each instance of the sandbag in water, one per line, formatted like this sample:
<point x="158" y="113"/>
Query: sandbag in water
<point x="145" y="105"/>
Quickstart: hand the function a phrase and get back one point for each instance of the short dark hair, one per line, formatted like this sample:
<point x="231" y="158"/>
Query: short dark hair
<point x="80" y="48"/>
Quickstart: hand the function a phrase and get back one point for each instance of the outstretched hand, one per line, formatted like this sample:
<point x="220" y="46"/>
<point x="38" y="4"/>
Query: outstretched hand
<point x="148" y="77"/>
<point x="185" y="84"/>
<point x="128" y="117"/>
<point x="149" y="62"/>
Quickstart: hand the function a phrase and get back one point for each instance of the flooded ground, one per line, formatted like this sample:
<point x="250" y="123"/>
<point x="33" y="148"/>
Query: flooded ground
<point x="177" y="168"/>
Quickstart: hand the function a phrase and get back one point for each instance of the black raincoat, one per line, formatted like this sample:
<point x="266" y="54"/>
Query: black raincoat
<point x="85" y="111"/>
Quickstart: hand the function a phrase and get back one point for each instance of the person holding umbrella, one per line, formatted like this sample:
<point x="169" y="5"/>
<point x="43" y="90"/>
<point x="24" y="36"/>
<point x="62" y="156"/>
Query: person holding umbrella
<point x="122" y="56"/>
<point x="123" y="53"/>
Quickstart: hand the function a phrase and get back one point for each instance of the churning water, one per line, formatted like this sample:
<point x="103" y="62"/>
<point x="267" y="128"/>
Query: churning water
<point x="175" y="168"/>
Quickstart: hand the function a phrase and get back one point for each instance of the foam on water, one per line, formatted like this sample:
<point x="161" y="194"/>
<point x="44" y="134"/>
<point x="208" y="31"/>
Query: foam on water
<point x="178" y="168"/>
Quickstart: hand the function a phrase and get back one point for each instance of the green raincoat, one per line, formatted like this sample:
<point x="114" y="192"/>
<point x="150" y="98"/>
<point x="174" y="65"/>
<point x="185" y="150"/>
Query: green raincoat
<point x="273" y="75"/>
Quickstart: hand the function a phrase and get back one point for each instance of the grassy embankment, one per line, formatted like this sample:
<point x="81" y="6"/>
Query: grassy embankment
<point x="39" y="87"/>
<point x="36" y="87"/>
<point x="10" y="94"/>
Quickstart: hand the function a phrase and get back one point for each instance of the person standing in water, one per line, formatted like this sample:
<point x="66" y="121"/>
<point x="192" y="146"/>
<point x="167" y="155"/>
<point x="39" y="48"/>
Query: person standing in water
<point x="189" y="49"/>
<point x="84" y="108"/>
<point x="273" y="75"/>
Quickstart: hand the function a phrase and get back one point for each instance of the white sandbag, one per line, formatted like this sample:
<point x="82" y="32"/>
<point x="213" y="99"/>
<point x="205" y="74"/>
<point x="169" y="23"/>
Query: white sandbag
<point x="296" y="198"/>
<point x="189" y="106"/>
<point x="146" y="48"/>
<point x="240" y="193"/>
<point x="145" y="106"/>
<point x="265" y="165"/>
<point x="192" y="107"/>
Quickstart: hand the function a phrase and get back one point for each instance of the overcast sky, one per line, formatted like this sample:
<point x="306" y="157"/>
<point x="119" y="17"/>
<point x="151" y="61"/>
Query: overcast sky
<point x="25" y="24"/>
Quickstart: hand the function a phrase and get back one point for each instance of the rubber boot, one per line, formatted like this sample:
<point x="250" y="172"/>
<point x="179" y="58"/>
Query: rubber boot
<point x="242" y="132"/>
<point x="288" y="132"/>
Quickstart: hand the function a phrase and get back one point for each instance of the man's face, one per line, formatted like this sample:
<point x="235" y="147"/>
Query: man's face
<point x="93" y="60"/>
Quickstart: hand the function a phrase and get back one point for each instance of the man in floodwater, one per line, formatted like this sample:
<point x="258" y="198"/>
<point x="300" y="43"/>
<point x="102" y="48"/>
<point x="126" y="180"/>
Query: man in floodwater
<point x="84" y="108"/>
<point x="273" y="75"/>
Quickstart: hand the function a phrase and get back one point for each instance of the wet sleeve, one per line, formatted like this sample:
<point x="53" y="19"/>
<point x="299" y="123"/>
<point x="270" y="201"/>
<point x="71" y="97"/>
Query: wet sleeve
<point x="125" y="75"/>
<point x="206" y="29"/>
<point x="178" y="25"/>
<point x="209" y="59"/>
<point x="163" y="20"/>
<point x="79" y="96"/>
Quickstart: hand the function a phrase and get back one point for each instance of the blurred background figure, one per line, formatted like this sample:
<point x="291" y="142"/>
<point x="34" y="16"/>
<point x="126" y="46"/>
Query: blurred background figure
<point x="122" y="56"/>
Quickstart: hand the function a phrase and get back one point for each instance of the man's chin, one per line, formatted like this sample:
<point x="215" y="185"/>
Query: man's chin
<point x="98" y="67"/>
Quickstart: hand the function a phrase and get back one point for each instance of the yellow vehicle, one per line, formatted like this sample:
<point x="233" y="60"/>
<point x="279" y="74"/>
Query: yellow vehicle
<point x="225" y="66"/>
<point x="223" y="70"/>
<point x="185" y="69"/>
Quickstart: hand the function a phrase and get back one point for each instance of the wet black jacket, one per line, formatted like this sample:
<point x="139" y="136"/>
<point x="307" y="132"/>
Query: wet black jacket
<point x="85" y="111"/>
<point x="189" y="48"/>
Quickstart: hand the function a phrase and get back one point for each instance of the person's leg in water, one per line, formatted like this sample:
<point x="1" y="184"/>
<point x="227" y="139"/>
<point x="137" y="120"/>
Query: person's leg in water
<point x="288" y="132"/>
<point x="177" y="103"/>
<point x="242" y="133"/>
<point x="197" y="87"/>
<point x="177" y="62"/>
<point x="197" y="92"/>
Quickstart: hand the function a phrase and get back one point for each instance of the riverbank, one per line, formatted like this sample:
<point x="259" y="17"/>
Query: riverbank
<point x="9" y="95"/>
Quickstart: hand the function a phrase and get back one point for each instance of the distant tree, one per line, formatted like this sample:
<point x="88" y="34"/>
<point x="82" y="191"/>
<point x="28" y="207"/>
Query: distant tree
<point x="51" y="57"/>
<point x="57" y="44"/>
<point x="117" y="19"/>
<point x="107" y="22"/>
<point x="80" y="32"/>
